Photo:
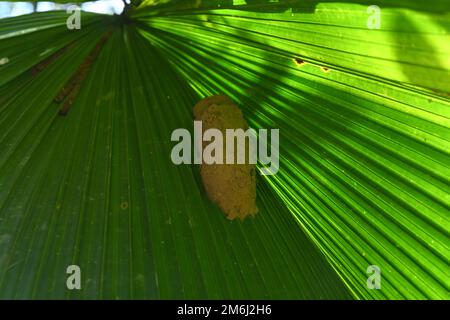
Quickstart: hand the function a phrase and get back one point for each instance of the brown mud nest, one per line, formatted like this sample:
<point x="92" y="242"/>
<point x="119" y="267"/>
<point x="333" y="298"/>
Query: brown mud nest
<point x="231" y="186"/>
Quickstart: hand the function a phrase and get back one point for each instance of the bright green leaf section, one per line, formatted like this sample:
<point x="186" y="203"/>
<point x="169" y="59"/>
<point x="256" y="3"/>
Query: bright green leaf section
<point x="365" y="156"/>
<point x="410" y="47"/>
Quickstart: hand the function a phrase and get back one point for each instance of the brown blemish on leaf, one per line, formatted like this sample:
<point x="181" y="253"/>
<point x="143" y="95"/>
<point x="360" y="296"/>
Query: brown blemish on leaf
<point x="124" y="205"/>
<point x="325" y="69"/>
<point x="70" y="90"/>
<point x="231" y="186"/>
<point x="299" y="61"/>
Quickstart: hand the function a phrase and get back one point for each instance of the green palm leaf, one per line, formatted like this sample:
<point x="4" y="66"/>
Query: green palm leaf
<point x="364" y="124"/>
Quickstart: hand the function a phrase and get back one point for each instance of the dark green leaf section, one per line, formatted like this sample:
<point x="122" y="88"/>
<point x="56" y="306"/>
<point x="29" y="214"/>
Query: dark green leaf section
<point x="97" y="188"/>
<point x="364" y="118"/>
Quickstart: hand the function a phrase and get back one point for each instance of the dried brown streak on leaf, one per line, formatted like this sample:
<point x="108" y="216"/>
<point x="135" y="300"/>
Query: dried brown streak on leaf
<point x="49" y="60"/>
<point x="69" y="100"/>
<point x="70" y="90"/>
